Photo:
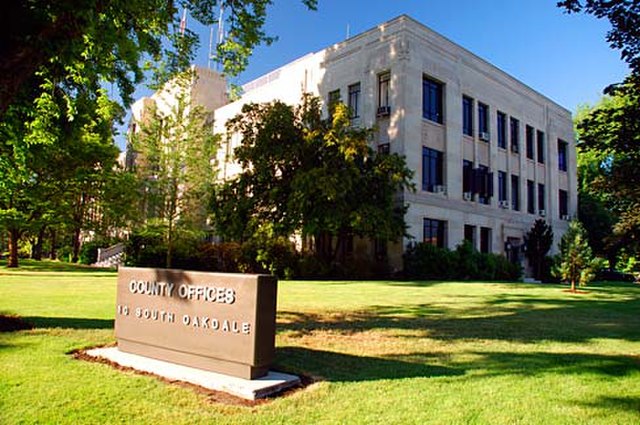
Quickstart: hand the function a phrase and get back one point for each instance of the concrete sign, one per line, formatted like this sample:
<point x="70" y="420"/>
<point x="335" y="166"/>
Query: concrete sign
<point x="220" y="322"/>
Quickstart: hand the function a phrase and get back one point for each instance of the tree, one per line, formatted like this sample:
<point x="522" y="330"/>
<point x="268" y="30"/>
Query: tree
<point x="538" y="242"/>
<point x="66" y="41"/>
<point x="307" y="175"/>
<point x="609" y="145"/>
<point x="175" y="166"/>
<point x="576" y="260"/>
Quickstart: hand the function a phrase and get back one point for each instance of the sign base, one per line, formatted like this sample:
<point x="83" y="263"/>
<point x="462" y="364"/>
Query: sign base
<point x="270" y="384"/>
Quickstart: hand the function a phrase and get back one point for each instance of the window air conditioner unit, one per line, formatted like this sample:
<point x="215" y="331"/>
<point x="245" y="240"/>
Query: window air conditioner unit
<point x="504" y="204"/>
<point x="566" y="217"/>
<point x="484" y="135"/>
<point x="542" y="213"/>
<point x="439" y="188"/>
<point x="467" y="196"/>
<point x="383" y="111"/>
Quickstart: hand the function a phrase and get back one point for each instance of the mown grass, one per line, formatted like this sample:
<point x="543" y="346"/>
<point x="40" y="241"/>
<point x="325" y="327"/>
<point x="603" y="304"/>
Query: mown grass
<point x="385" y="352"/>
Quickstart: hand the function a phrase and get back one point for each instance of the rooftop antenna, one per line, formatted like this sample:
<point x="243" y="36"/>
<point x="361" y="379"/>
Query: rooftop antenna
<point x="220" y="31"/>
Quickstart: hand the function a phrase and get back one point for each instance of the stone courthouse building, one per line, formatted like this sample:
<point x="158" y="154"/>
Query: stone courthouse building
<point x="490" y="154"/>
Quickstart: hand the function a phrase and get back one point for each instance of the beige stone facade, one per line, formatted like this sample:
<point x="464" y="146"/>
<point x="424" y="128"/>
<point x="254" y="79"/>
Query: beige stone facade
<point x="490" y="154"/>
<point x="439" y="105"/>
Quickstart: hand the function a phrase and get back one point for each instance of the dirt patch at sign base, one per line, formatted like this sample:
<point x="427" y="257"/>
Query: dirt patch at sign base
<point x="212" y="396"/>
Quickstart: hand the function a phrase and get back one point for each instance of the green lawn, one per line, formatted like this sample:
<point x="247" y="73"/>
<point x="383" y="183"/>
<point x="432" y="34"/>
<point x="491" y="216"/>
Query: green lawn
<point x="385" y="352"/>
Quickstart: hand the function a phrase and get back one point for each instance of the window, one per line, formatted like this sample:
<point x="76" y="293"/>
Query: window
<point x="483" y="122"/>
<point x="354" y="100"/>
<point x="483" y="184"/>
<point x="541" y="198"/>
<point x="467" y="116"/>
<point x="502" y="130"/>
<point x="470" y="234"/>
<point x="334" y="99"/>
<point x="432" y="100"/>
<point x="384" y="148"/>
<point x="431" y="169"/>
<point x="515" y="193"/>
<point x="562" y="155"/>
<point x="540" y="137"/>
<point x="502" y="186"/>
<point x="380" y="249"/>
<point x="383" y="89"/>
<point x="467" y="177"/>
<point x="531" y="197"/>
<point x="515" y="135"/>
<point x="434" y="232"/>
<point x="485" y="240"/>
<point x="563" y="203"/>
<point x="530" y="148"/>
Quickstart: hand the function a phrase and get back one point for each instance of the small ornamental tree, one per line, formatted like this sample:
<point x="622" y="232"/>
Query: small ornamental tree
<point x="538" y="242"/>
<point x="576" y="259"/>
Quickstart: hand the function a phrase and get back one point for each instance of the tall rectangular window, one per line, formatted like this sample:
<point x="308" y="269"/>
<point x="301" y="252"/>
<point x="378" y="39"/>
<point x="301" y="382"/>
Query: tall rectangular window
<point x="529" y="133"/>
<point x="483" y="184"/>
<point x="515" y="134"/>
<point x="434" y="232"/>
<point x="467" y="177"/>
<point x="563" y="203"/>
<point x="432" y="105"/>
<point x="470" y="234"/>
<point x="562" y="155"/>
<point x="540" y="139"/>
<point x="467" y="115"/>
<point x="485" y="240"/>
<point x="354" y="100"/>
<point x="334" y="99"/>
<point x="515" y="193"/>
<point x="531" y="197"/>
<point x="502" y="186"/>
<point x="541" y="199"/>
<point x="502" y="130"/>
<point x="483" y="122"/>
<point x="383" y="90"/>
<point x="432" y="169"/>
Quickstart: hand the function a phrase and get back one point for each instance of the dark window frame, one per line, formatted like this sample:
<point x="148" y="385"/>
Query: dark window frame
<point x="434" y="232"/>
<point x="354" y="91"/>
<point x="530" y="135"/>
<point x="501" y="128"/>
<point x="540" y="146"/>
<point x="432" y="169"/>
<point x="515" y="192"/>
<point x="432" y="100"/>
<point x="467" y="116"/>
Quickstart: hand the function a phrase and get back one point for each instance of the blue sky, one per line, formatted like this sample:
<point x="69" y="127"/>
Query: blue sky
<point x="565" y="57"/>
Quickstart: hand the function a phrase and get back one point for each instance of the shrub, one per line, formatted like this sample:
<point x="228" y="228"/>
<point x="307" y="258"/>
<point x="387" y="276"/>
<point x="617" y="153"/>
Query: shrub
<point x="89" y="252"/>
<point x="425" y="261"/>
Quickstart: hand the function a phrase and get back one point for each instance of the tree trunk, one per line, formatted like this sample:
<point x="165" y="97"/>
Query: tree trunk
<point x="573" y="285"/>
<point x="52" y="250"/>
<point x="14" y="236"/>
<point x="76" y="245"/>
<point x="36" y="250"/>
<point x="169" y="259"/>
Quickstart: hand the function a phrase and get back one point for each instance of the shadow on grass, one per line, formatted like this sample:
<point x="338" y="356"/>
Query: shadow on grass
<point x="51" y="266"/>
<point x="69" y="322"/>
<point x="505" y="318"/>
<point x="340" y="367"/>
<point x="629" y="404"/>
<point x="536" y="363"/>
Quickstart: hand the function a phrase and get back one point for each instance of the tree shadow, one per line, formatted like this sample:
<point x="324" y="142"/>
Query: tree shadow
<point x="629" y="404"/>
<point x="517" y="319"/>
<point x="69" y="322"/>
<point x="341" y="367"/>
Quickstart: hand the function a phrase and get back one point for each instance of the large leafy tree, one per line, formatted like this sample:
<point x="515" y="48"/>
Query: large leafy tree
<point x="115" y="41"/>
<point x="316" y="177"/>
<point x="609" y="143"/>
<point x="45" y="182"/>
<point x="609" y="134"/>
<point x="175" y="151"/>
